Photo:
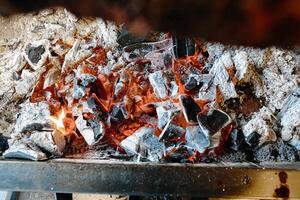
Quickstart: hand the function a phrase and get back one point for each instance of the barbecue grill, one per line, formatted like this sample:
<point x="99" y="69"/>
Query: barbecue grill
<point x="223" y="179"/>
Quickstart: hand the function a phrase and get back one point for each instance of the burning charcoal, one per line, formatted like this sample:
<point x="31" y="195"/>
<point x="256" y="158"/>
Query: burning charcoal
<point x="85" y="78"/>
<point x="33" y="116"/>
<point x="236" y="140"/>
<point x="197" y="139"/>
<point x="37" y="53"/>
<point x="46" y="141"/>
<point x="52" y="77"/>
<point x="78" y="90"/>
<point x="24" y="149"/>
<point x="158" y="83"/>
<point x="92" y="131"/>
<point x="119" y="113"/>
<point x="183" y="47"/>
<point x="190" y="108"/>
<point x="213" y="121"/>
<point x="172" y="132"/>
<point x="222" y="79"/>
<point x="253" y="139"/>
<point x="143" y="142"/>
<point x="193" y="83"/>
<point x="165" y="113"/>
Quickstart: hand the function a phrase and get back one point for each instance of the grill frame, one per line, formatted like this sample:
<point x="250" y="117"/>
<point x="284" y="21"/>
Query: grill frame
<point x="115" y="177"/>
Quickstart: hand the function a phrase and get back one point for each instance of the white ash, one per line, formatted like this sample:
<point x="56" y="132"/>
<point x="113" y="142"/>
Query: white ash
<point x="51" y="141"/>
<point x="165" y="113"/>
<point x="289" y="116"/>
<point x="143" y="142"/>
<point x="33" y="116"/>
<point x="22" y="148"/>
<point x="261" y="122"/>
<point x="222" y="79"/>
<point x="246" y="72"/>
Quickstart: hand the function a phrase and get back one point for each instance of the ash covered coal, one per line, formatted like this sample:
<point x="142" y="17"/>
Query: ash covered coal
<point x="89" y="86"/>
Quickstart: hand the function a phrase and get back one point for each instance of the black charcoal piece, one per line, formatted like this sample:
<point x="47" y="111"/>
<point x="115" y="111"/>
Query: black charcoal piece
<point x="253" y="139"/>
<point x="3" y="143"/>
<point x="183" y="47"/>
<point x="196" y="138"/>
<point x="190" y="108"/>
<point x="118" y="112"/>
<point x="35" y="53"/>
<point x="172" y="132"/>
<point x="193" y="83"/>
<point x="236" y="140"/>
<point x="213" y="121"/>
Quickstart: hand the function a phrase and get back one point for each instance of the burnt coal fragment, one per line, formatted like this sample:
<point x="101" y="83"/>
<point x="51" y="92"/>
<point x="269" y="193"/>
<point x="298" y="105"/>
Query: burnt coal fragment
<point x="193" y="83"/>
<point x="236" y="140"/>
<point x="35" y="53"/>
<point x="253" y="139"/>
<point x="3" y="144"/>
<point x="190" y="108"/>
<point x="183" y="47"/>
<point x="197" y="139"/>
<point x="118" y="113"/>
<point x="213" y="121"/>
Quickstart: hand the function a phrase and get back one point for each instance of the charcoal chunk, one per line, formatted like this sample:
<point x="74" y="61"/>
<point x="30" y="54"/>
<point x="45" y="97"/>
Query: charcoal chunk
<point x="91" y="130"/>
<point x="190" y="108"/>
<point x="143" y="142"/>
<point x="118" y="112"/>
<point x="125" y="38"/>
<point x="3" y="144"/>
<point x="236" y="140"/>
<point x="33" y="116"/>
<point x="78" y="90"/>
<point x="253" y="139"/>
<point x="193" y="83"/>
<point x="213" y="121"/>
<point x="165" y="113"/>
<point x="172" y="133"/>
<point x="158" y="84"/>
<point x="183" y="47"/>
<point x="24" y="149"/>
<point x="35" y="53"/>
<point x="197" y="139"/>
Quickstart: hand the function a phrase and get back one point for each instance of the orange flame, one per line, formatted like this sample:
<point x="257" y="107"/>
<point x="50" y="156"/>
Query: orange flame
<point x="63" y="122"/>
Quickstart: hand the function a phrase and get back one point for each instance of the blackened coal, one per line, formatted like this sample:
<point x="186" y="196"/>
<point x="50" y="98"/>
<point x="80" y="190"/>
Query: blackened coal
<point x="183" y="47"/>
<point x="3" y="144"/>
<point x="35" y="53"/>
<point x="214" y="120"/>
<point x="118" y="112"/>
<point x="190" y="108"/>
<point x="172" y="135"/>
<point x="233" y="103"/>
<point x="236" y="140"/>
<point x="253" y="139"/>
<point x="193" y="84"/>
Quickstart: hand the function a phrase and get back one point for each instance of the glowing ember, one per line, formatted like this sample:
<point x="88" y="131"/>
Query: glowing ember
<point x="63" y="122"/>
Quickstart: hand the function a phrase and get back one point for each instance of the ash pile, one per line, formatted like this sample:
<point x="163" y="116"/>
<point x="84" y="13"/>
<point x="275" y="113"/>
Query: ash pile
<point x="110" y="95"/>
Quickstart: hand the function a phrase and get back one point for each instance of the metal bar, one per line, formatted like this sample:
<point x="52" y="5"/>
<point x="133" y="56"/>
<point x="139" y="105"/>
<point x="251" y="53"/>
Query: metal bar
<point x="202" y="180"/>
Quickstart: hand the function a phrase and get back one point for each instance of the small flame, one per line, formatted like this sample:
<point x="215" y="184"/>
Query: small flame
<point x="63" y="122"/>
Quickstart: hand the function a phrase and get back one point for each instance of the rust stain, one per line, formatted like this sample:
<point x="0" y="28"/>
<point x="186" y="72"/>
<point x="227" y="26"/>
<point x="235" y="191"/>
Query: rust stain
<point x="283" y="190"/>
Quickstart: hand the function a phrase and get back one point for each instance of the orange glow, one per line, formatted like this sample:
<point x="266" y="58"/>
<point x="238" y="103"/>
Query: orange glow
<point x="63" y="122"/>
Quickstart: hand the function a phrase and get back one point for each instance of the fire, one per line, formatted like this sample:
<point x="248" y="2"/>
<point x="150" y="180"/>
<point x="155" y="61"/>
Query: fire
<point x="63" y="122"/>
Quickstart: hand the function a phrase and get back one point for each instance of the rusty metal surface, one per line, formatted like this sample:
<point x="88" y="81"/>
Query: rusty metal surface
<point x="94" y="176"/>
